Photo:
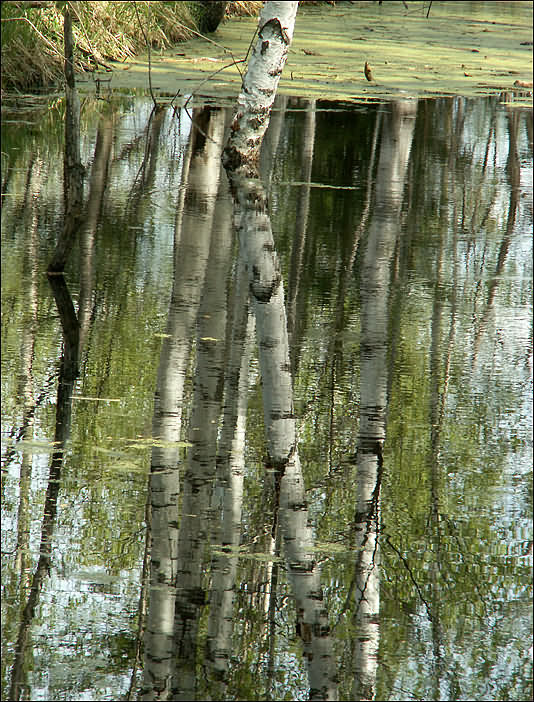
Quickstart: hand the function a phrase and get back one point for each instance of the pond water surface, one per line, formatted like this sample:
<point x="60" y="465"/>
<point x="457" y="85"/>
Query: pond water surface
<point x="403" y="235"/>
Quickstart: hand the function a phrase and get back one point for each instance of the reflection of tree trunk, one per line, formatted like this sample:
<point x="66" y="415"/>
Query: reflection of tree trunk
<point x="142" y="609"/>
<point x="26" y="385"/>
<point x="67" y="377"/>
<point x="435" y="420"/>
<point x="99" y="171"/>
<point x="191" y="255"/>
<point x="141" y="189"/>
<point x="197" y="514"/>
<point x="375" y="277"/>
<point x="299" y="240"/>
<point x="272" y="592"/>
<point x="73" y="169"/>
<point x="257" y="248"/>
<point x="271" y="140"/>
<point x="18" y="583"/>
<point x="229" y="489"/>
<point x="266" y="288"/>
<point x="513" y="169"/>
<point x="438" y="378"/>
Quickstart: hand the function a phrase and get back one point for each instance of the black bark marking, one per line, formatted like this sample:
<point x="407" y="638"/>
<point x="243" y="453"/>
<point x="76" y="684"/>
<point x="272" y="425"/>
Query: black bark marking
<point x="277" y="28"/>
<point x="263" y="291"/>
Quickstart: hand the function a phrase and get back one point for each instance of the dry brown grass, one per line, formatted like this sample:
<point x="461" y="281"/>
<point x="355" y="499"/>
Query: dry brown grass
<point x="32" y="37"/>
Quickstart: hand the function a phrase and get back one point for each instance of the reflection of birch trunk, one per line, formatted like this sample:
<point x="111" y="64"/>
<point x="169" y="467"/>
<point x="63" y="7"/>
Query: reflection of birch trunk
<point x="230" y="470"/>
<point x="99" y="171"/>
<point x="257" y="248"/>
<point x="375" y="277"/>
<point x="25" y="388"/>
<point x="72" y="166"/>
<point x="67" y="377"/>
<point x="273" y="575"/>
<point x="299" y="240"/>
<point x="191" y="255"/>
<point x="142" y="607"/>
<point x="197" y="516"/>
<point x="513" y="171"/>
<point x="436" y="418"/>
<point x="141" y="188"/>
<point x="271" y="139"/>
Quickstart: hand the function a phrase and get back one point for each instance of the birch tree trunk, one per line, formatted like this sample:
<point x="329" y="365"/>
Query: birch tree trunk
<point x="266" y="287"/>
<point x="241" y="159"/>
<point x="275" y="31"/>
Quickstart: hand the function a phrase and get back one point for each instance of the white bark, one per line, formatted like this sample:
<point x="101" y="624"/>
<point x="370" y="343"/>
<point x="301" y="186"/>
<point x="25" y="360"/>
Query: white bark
<point x="275" y="32"/>
<point x="267" y="293"/>
<point x="305" y="578"/>
<point x="265" y="280"/>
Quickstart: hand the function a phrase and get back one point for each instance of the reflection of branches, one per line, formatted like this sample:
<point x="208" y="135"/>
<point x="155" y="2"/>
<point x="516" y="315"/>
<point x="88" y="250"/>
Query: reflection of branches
<point x="453" y="530"/>
<point x="212" y="75"/>
<point x="67" y="377"/>
<point x="152" y="132"/>
<point x="16" y="435"/>
<point x="336" y="351"/>
<point x="410" y="573"/>
<point x="371" y="519"/>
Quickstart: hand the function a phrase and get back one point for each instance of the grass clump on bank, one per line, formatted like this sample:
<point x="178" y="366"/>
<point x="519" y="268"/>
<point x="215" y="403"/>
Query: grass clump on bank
<point x="32" y="35"/>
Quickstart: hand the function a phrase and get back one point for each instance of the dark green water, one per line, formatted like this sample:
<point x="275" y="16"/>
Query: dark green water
<point x="406" y="261"/>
